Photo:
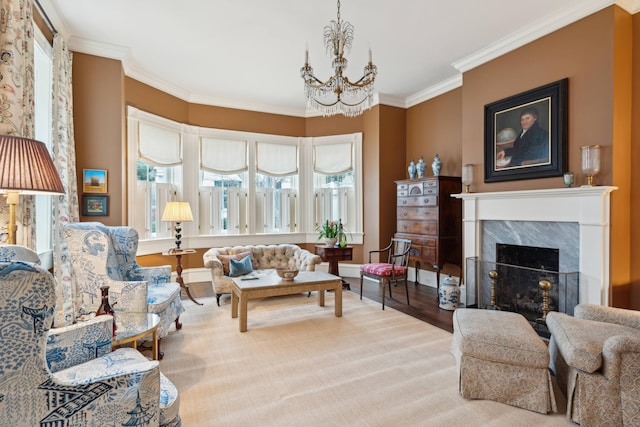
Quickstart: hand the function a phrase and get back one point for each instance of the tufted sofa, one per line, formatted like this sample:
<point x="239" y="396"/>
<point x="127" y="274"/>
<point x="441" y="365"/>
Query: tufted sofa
<point x="263" y="257"/>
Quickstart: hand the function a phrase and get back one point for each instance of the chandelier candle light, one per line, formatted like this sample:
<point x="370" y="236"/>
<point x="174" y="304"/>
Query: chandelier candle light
<point x="338" y="95"/>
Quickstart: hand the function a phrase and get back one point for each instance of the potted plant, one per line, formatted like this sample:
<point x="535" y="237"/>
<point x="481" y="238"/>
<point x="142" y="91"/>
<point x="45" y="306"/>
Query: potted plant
<point x="328" y="232"/>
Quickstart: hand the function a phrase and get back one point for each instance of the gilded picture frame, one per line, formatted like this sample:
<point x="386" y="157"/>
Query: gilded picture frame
<point x="94" y="181"/>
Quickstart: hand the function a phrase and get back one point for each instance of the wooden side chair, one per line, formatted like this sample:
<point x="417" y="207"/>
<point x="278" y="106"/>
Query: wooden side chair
<point x="393" y="270"/>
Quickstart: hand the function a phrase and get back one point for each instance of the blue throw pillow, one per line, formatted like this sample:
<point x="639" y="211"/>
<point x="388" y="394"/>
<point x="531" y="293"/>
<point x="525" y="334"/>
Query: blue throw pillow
<point x="240" y="267"/>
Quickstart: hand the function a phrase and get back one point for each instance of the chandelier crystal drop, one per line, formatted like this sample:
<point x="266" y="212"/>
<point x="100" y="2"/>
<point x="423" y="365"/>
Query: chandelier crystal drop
<point x="338" y="95"/>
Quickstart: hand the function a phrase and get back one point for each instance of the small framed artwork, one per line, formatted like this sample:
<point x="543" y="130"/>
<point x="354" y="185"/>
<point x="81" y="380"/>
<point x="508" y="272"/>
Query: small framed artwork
<point x="95" y="205"/>
<point x="526" y="134"/>
<point x="94" y="181"/>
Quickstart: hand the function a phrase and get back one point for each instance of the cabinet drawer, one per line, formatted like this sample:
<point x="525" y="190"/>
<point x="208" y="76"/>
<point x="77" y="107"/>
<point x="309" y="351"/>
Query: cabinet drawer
<point x="430" y="187"/>
<point x="425" y="255"/>
<point x="402" y="193"/>
<point x="418" y="201"/>
<point x="424" y="241"/>
<point x="418" y="213"/>
<point x="418" y="227"/>
<point x="417" y="239"/>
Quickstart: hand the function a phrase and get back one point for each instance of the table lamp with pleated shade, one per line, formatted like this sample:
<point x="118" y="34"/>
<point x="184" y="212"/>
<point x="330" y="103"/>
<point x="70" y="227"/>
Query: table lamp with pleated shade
<point x="25" y="168"/>
<point x="177" y="212"/>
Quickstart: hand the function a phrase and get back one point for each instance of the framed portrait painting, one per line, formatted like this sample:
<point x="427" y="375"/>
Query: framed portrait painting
<point x="526" y="134"/>
<point x="94" y="181"/>
<point x="95" y="205"/>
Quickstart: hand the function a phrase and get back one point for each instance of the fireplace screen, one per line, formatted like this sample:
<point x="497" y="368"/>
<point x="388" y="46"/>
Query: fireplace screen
<point x="525" y="289"/>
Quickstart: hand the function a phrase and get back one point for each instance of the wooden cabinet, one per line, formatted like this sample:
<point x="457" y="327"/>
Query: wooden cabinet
<point x="432" y="219"/>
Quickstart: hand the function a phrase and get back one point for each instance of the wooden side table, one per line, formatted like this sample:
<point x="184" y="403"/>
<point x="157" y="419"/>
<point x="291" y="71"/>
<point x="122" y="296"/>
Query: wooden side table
<point x="178" y="253"/>
<point x="332" y="255"/>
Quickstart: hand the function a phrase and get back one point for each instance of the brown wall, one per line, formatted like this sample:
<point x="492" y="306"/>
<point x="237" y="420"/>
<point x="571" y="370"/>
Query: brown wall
<point x="600" y="81"/>
<point x="635" y="178"/>
<point x="596" y="54"/>
<point x="99" y="128"/>
<point x="435" y="127"/>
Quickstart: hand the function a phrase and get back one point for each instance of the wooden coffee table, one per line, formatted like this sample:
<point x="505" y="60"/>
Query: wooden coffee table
<point x="271" y="285"/>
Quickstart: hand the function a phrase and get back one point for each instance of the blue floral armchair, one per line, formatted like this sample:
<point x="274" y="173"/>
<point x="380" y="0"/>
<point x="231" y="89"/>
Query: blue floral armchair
<point x="70" y="376"/>
<point x="102" y="255"/>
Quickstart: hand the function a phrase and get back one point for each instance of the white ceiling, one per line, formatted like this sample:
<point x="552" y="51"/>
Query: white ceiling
<point x="248" y="53"/>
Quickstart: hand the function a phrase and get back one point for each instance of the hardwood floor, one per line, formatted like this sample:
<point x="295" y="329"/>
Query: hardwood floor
<point x="422" y="299"/>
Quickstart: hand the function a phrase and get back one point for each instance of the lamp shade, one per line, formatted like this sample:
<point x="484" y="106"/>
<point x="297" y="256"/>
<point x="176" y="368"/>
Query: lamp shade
<point x="177" y="212"/>
<point x="26" y="167"/>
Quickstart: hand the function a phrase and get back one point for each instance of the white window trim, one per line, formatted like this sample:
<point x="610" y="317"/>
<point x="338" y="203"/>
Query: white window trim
<point x="190" y="186"/>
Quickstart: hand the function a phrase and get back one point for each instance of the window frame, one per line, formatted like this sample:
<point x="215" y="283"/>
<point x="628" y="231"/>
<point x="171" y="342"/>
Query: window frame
<point x="44" y="224"/>
<point x="190" y="187"/>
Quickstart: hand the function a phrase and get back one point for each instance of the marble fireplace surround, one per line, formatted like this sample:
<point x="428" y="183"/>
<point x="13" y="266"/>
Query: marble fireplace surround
<point x="588" y="207"/>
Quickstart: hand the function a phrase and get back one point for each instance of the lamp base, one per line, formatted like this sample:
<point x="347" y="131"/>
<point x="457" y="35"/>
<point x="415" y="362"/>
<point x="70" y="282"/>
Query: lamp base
<point x="12" y="227"/>
<point x="178" y="236"/>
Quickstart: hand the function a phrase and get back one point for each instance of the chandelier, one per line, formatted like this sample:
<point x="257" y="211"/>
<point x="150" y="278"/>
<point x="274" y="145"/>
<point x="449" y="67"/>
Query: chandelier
<point x="338" y="95"/>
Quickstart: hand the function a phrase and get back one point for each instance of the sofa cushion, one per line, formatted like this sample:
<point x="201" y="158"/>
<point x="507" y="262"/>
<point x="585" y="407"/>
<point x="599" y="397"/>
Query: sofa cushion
<point x="580" y="341"/>
<point x="239" y="267"/>
<point x="224" y="259"/>
<point x="383" y="269"/>
<point x="499" y="336"/>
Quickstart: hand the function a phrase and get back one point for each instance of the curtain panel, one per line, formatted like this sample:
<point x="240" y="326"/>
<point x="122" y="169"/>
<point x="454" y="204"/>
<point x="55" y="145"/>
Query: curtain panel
<point x="65" y="206"/>
<point x="17" y="101"/>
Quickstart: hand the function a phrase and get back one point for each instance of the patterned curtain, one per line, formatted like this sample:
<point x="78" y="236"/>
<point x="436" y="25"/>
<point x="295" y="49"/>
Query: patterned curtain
<point x="16" y="99"/>
<point x="65" y="207"/>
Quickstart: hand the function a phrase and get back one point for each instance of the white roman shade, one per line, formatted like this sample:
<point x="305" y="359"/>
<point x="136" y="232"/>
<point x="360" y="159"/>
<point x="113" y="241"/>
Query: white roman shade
<point x="276" y="159"/>
<point x="223" y="156"/>
<point x="333" y="159"/>
<point x="159" y="146"/>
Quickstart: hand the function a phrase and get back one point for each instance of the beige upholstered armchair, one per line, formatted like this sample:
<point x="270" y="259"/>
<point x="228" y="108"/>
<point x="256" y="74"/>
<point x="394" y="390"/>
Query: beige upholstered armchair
<point x="596" y="358"/>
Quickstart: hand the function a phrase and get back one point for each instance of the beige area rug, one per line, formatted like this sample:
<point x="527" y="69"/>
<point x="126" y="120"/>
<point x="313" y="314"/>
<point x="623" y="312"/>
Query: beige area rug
<point x="299" y="365"/>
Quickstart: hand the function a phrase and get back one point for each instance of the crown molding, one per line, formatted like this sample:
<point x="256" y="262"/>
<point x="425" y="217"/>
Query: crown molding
<point x="390" y="100"/>
<point x="631" y="6"/>
<point x="105" y="50"/>
<point x="435" y="90"/>
<point x="529" y="34"/>
<point x="246" y="105"/>
<point x="492" y="51"/>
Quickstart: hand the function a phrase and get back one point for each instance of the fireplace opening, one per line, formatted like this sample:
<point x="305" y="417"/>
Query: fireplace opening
<point x="525" y="280"/>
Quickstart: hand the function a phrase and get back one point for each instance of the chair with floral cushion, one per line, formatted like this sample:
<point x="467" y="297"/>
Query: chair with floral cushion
<point x="103" y="255"/>
<point x="70" y="377"/>
<point x="393" y="270"/>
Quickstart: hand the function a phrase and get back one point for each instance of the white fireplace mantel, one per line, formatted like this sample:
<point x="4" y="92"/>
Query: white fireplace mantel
<point x="587" y="206"/>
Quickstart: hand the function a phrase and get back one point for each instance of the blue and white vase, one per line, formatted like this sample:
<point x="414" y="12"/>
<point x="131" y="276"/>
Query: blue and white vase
<point x="436" y="165"/>
<point x="421" y="167"/>
<point x="412" y="169"/>
<point x="449" y="293"/>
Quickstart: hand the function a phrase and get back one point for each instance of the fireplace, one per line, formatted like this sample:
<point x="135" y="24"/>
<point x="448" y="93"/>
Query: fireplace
<point x="573" y="220"/>
<point x="525" y="280"/>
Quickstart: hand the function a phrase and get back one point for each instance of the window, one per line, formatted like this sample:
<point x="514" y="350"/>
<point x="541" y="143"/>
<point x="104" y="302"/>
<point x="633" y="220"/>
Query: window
<point x="223" y="185"/>
<point x="335" y="180"/>
<point x="269" y="188"/>
<point x="43" y="94"/>
<point x="156" y="151"/>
